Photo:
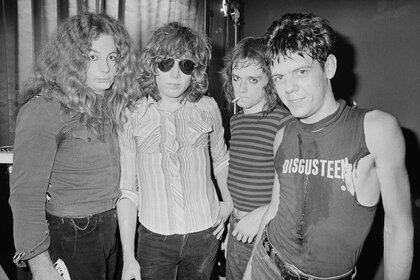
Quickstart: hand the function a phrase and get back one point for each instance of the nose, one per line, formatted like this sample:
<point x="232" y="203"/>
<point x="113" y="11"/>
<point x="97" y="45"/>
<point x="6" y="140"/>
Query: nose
<point x="289" y="85"/>
<point x="175" y="71"/>
<point x="104" y="66"/>
<point x="243" y="86"/>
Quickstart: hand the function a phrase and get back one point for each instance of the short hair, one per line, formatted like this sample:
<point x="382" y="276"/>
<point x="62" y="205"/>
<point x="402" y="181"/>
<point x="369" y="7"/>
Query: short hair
<point x="60" y="70"/>
<point x="178" y="41"/>
<point x="301" y="33"/>
<point x="252" y="51"/>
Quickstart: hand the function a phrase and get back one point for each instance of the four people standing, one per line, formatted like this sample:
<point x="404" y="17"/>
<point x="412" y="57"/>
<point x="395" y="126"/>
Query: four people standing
<point x="333" y="162"/>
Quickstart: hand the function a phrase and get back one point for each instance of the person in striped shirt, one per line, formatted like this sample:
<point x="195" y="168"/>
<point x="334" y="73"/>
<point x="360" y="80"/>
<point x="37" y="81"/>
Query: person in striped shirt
<point x="247" y="84"/>
<point x="172" y="143"/>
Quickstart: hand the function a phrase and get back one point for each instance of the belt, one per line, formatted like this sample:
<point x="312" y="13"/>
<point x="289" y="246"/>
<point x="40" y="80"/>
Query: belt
<point x="288" y="272"/>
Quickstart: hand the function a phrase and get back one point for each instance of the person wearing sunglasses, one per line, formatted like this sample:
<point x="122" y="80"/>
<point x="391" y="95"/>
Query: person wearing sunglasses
<point x="171" y="145"/>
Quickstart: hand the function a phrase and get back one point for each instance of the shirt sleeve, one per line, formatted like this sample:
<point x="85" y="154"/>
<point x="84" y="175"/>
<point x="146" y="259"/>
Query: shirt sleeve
<point x="128" y="179"/>
<point x="34" y="152"/>
<point x="218" y="147"/>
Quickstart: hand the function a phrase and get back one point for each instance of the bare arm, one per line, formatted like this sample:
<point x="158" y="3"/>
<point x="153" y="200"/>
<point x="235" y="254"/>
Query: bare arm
<point x="386" y="143"/>
<point x="272" y="207"/>
<point x="127" y="221"/>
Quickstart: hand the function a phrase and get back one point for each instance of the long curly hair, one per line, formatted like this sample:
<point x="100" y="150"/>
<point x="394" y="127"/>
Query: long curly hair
<point x="178" y="41"/>
<point x="60" y="71"/>
<point x="301" y="33"/>
<point x="249" y="51"/>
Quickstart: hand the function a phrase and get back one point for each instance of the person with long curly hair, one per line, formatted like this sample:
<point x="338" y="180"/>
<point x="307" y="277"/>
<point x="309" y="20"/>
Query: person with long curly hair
<point x="172" y="142"/>
<point x="64" y="185"/>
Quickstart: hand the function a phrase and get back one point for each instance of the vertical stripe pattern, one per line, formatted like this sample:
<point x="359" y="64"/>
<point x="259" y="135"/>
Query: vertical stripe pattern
<point x="173" y="169"/>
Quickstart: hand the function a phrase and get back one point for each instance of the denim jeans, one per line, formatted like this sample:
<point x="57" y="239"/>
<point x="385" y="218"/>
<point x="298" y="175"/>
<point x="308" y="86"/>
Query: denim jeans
<point x="88" y="246"/>
<point x="262" y="266"/>
<point x="237" y="254"/>
<point x="177" y="256"/>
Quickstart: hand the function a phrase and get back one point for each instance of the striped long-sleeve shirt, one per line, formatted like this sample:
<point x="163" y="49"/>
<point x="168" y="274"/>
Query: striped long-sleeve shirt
<point x="166" y="168"/>
<point x="251" y="163"/>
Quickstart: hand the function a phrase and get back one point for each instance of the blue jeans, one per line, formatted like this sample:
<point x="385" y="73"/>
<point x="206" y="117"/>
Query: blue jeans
<point x="88" y="246"/>
<point x="237" y="254"/>
<point x="177" y="256"/>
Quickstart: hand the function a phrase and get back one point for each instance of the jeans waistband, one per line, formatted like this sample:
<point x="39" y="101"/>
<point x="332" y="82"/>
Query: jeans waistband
<point x="102" y="214"/>
<point x="290" y="272"/>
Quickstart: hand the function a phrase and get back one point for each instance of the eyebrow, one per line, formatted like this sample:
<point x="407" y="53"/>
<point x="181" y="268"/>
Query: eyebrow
<point x="95" y="51"/>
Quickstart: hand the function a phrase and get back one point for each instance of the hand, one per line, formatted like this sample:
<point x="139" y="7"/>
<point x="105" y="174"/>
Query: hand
<point x="47" y="274"/>
<point x="42" y="267"/>
<point x="224" y="213"/>
<point x="131" y="270"/>
<point x="247" y="228"/>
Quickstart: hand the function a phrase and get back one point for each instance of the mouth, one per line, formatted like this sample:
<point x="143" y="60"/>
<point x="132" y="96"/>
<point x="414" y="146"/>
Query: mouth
<point x="103" y="80"/>
<point x="174" y="86"/>
<point x="296" y="100"/>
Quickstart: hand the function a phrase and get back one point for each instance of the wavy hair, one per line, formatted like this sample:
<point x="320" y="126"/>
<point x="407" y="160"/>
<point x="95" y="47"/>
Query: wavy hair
<point x="60" y="70"/>
<point x="249" y="51"/>
<point x="301" y="33"/>
<point x="178" y="41"/>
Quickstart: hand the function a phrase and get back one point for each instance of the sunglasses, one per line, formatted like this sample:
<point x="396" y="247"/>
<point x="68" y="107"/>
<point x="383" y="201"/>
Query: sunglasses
<point x="186" y="65"/>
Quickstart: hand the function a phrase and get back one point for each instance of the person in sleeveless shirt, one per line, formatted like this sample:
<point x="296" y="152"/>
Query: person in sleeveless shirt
<point x="246" y="76"/>
<point x="333" y="165"/>
<point x="64" y="184"/>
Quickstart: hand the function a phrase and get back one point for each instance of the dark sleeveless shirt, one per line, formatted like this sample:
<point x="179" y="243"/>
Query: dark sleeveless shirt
<point x="319" y="226"/>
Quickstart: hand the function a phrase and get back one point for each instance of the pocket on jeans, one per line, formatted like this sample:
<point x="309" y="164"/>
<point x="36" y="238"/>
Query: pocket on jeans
<point x="264" y="259"/>
<point x="144" y="231"/>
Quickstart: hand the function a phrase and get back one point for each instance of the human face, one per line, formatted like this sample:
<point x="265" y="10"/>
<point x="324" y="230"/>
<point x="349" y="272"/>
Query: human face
<point x="304" y="86"/>
<point x="249" y="80"/>
<point x="102" y="68"/>
<point x="172" y="84"/>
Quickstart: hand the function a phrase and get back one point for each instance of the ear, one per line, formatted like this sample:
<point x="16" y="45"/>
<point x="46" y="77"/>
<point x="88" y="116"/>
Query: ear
<point x="330" y="66"/>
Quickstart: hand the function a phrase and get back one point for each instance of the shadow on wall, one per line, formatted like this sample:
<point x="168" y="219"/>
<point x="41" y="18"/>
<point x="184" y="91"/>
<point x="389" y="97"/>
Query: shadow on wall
<point x="344" y="82"/>
<point x="411" y="161"/>
<point x="370" y="263"/>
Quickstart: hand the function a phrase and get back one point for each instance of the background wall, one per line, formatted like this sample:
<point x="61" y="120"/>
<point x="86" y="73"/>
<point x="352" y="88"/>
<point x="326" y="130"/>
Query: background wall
<point x="378" y="67"/>
<point x="382" y="40"/>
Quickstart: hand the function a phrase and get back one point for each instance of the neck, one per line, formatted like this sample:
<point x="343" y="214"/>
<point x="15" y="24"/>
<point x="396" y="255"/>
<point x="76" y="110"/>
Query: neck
<point x="169" y="105"/>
